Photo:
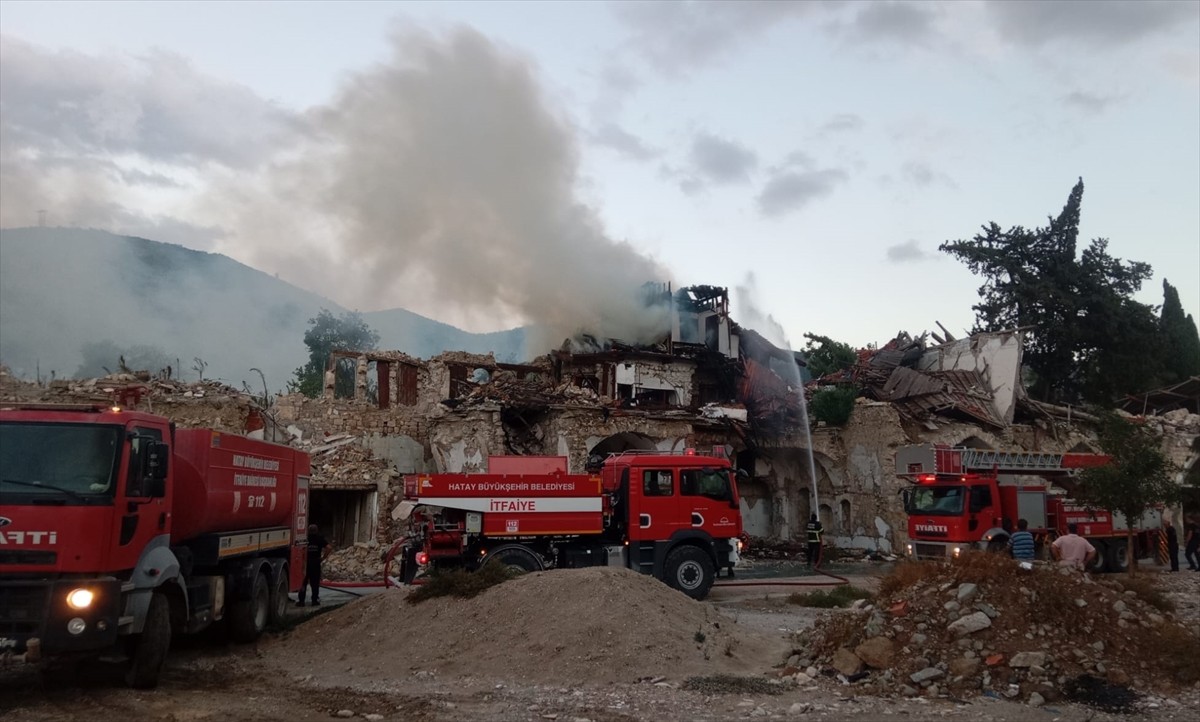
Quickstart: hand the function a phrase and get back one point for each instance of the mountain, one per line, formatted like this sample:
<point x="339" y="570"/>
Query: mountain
<point x="71" y="299"/>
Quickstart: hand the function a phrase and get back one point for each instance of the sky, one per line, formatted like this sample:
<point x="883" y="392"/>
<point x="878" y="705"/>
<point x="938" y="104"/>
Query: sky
<point x="492" y="164"/>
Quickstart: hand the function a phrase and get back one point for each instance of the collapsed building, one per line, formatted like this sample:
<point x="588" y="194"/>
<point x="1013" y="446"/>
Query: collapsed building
<point x="706" y="383"/>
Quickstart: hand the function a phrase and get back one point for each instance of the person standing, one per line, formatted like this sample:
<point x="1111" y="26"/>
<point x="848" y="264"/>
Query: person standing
<point x="1172" y="544"/>
<point x="1191" y="548"/>
<point x="318" y="549"/>
<point x="1021" y="543"/>
<point x="814" y="530"/>
<point x="1073" y="550"/>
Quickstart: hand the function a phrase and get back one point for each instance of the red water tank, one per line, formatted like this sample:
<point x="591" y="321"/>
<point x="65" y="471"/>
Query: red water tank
<point x="225" y="482"/>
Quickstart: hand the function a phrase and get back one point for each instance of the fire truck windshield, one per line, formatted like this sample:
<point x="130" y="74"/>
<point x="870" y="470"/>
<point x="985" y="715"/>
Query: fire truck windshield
<point x="58" y="463"/>
<point x="936" y="500"/>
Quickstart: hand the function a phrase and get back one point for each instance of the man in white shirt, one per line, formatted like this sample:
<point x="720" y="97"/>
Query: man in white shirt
<point x="1073" y="550"/>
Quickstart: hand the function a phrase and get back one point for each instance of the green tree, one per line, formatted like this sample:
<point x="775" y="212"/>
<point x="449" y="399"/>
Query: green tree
<point x="328" y="333"/>
<point x="1089" y="339"/>
<point x="1180" y="336"/>
<point x="1137" y="478"/>
<point x="824" y="355"/>
<point x="833" y="405"/>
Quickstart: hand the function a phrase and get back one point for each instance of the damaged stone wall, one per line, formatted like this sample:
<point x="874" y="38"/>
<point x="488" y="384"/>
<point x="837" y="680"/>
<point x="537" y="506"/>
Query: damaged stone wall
<point x="641" y="375"/>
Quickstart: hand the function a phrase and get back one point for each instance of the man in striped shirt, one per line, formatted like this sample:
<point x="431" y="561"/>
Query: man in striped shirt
<point x="1021" y="542"/>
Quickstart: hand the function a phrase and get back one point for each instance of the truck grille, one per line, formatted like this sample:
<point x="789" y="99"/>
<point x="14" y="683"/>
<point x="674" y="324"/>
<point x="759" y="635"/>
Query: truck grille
<point x="22" y="606"/>
<point x="930" y="551"/>
<point x="27" y="556"/>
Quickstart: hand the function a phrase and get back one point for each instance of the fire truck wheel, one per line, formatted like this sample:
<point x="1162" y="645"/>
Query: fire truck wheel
<point x="149" y="649"/>
<point x="690" y="570"/>
<point x="1100" y="561"/>
<point x="279" y="599"/>
<point x="1118" y="560"/>
<point x="517" y="558"/>
<point x="248" y="617"/>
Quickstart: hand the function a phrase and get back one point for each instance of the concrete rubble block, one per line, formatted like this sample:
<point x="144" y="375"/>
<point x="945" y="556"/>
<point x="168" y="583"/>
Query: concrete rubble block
<point x="1028" y="659"/>
<point x="967" y="592"/>
<point x="846" y="662"/>
<point x="969" y="624"/>
<point x="963" y="666"/>
<point x="926" y="675"/>
<point x="877" y="652"/>
<point x="987" y="609"/>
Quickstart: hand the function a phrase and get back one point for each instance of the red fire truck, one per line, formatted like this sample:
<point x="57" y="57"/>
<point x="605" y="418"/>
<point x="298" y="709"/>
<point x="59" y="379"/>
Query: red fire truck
<point x="117" y="530"/>
<point x="965" y="498"/>
<point x="673" y="516"/>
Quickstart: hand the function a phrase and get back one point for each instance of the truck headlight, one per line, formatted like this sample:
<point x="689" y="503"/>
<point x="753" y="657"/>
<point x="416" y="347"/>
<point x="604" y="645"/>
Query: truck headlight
<point x="740" y="546"/>
<point x="80" y="598"/>
<point x="956" y="551"/>
<point x="908" y="547"/>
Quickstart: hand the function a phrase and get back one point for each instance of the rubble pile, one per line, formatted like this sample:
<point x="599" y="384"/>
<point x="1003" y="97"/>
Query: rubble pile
<point x="984" y="625"/>
<point x="342" y="461"/>
<point x="361" y="562"/>
<point x="594" y="625"/>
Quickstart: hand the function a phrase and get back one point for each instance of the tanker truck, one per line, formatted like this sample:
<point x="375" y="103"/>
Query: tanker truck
<point x="118" y="530"/>
<point x="673" y="516"/>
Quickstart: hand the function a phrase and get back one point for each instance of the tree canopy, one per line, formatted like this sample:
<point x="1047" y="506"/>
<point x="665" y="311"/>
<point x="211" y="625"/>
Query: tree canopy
<point x="824" y="355"/>
<point x="1139" y="475"/>
<point x="1088" y="339"/>
<point x="325" y="334"/>
<point x="1180" y="336"/>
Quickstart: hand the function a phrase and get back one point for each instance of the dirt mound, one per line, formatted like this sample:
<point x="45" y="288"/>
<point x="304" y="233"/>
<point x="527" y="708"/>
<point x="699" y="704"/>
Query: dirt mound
<point x="985" y="625"/>
<point x="588" y="625"/>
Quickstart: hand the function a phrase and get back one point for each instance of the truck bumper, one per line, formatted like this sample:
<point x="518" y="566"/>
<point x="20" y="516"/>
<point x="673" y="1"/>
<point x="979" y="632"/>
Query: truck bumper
<point x="37" y="620"/>
<point x="938" y="551"/>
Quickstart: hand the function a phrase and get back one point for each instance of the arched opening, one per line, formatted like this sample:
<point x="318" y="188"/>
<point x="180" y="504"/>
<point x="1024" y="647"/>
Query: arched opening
<point x="624" y="441"/>
<point x="974" y="442"/>
<point x="844" y="517"/>
<point x="826" y="516"/>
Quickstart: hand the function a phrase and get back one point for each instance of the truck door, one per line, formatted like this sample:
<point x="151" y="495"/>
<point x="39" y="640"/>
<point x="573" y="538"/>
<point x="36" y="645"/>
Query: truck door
<point x="144" y="513"/>
<point x="654" y="509"/>
<point x="708" y="500"/>
<point x="299" y="557"/>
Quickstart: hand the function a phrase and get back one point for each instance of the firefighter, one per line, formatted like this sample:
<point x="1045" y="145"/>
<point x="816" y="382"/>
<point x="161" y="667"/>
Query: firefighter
<point x="814" y="530"/>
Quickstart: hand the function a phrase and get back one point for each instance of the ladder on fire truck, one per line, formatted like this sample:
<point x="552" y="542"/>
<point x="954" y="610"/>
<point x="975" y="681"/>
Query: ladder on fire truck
<point x="927" y="459"/>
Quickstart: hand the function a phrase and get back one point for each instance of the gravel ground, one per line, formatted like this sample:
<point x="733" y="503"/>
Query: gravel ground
<point x="216" y="682"/>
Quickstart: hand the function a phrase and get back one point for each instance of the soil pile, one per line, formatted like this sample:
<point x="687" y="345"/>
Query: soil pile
<point x="588" y="625"/>
<point x="985" y="625"/>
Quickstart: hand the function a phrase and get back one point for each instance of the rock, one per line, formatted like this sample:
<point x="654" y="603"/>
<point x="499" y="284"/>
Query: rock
<point x="1120" y="606"/>
<point x="812" y="672"/>
<point x="908" y="691"/>
<point x="951" y="606"/>
<point x="846" y="662"/>
<point x="970" y="624"/>
<point x="966" y="592"/>
<point x="917" y="639"/>
<point x="798" y="708"/>
<point x="1098" y="646"/>
<point x="1156" y="618"/>
<point x="1118" y="677"/>
<point x="793" y="661"/>
<point x="373" y="717"/>
<point x="877" y="652"/>
<point x="859" y="604"/>
<point x="933" y="691"/>
<point x="994" y="659"/>
<point x="925" y="675"/>
<point x="344" y="713"/>
<point x="1028" y="659"/>
<point x="874" y="626"/>
<point x="1036" y="700"/>
<point x="1081" y="603"/>
<point x="963" y="666"/>
<point x="989" y="610"/>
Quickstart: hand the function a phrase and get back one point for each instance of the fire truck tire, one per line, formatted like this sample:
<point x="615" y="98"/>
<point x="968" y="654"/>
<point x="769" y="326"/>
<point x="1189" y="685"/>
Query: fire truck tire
<point x="248" y="617"/>
<point x="279" y="599"/>
<point x="1100" y="561"/>
<point x="148" y="650"/>
<point x="999" y="545"/>
<point x="516" y="557"/>
<point x="1118" y="560"/>
<point x="690" y="570"/>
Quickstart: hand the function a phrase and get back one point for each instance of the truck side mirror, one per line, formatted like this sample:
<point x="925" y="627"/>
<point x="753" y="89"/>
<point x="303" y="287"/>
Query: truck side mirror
<point x="156" y="456"/>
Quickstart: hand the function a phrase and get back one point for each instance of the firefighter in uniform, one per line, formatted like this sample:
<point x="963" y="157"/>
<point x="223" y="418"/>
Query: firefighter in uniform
<point x="814" y="530"/>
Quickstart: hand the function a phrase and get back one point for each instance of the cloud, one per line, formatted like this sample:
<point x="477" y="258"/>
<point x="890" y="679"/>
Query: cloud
<point x="905" y="22"/>
<point x="791" y="190"/>
<point x="611" y="135"/>
<point x="676" y="37"/>
<point x="70" y="123"/>
<point x="906" y="252"/>
<point x="1098" y="24"/>
<point x="842" y="122"/>
<point x="1089" y="102"/>
<point x="919" y="173"/>
<point x="721" y="161"/>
